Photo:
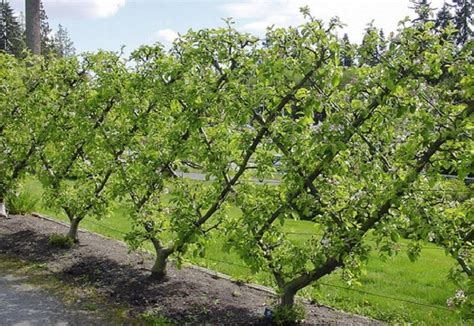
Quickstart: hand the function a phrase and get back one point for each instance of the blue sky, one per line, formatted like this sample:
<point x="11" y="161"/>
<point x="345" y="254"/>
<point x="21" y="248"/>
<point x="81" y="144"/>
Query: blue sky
<point x="109" y="24"/>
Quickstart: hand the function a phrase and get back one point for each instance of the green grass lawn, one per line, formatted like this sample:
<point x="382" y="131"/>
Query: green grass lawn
<point x="389" y="290"/>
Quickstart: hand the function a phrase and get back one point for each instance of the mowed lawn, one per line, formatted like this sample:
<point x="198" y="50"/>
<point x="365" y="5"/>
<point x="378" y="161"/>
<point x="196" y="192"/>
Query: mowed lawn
<point x="394" y="290"/>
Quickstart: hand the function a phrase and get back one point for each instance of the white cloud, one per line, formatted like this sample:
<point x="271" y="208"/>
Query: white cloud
<point x="167" y="35"/>
<point x="257" y="15"/>
<point x="95" y="9"/>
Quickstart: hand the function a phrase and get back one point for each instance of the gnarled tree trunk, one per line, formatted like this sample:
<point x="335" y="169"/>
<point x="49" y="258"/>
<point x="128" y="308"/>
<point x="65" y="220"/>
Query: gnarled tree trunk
<point x="287" y="298"/>
<point x="73" y="229"/>
<point x="158" y="271"/>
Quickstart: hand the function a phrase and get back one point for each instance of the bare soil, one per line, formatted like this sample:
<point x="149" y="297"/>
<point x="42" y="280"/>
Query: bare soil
<point x="189" y="295"/>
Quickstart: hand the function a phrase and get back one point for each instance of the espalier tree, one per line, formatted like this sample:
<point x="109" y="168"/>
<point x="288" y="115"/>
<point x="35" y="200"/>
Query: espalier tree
<point x="353" y="172"/>
<point x="33" y="97"/>
<point x="359" y="148"/>
<point x="446" y="219"/>
<point x="226" y="144"/>
<point x="201" y="126"/>
<point x="14" y="76"/>
<point x="76" y="168"/>
<point x="151" y="150"/>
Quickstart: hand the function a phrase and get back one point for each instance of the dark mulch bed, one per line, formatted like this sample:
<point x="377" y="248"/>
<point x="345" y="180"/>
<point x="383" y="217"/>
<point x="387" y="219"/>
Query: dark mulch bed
<point x="188" y="295"/>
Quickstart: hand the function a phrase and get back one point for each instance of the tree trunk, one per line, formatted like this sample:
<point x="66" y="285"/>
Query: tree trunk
<point x="33" y="27"/>
<point x="158" y="271"/>
<point x="287" y="299"/>
<point x="73" y="228"/>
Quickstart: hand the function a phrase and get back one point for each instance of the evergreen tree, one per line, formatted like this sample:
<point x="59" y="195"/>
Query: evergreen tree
<point x="57" y="44"/>
<point x="422" y="9"/>
<point x="443" y="17"/>
<point x="347" y="57"/>
<point x="47" y="42"/>
<point x="11" y="38"/>
<point x="63" y="45"/>
<point x="22" y="22"/>
<point x="463" y="20"/>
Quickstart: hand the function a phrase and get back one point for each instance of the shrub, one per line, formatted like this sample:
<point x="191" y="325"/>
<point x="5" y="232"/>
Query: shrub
<point x="21" y="203"/>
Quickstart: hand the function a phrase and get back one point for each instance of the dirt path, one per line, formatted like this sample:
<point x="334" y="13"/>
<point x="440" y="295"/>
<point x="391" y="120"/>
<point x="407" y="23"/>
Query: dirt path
<point x="188" y="296"/>
<point x="24" y="304"/>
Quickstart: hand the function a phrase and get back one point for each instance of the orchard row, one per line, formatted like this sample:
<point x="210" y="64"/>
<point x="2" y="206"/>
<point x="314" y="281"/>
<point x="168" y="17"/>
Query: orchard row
<point x="359" y="149"/>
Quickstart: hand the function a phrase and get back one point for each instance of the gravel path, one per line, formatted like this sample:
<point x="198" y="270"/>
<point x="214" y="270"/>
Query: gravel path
<point x="22" y="305"/>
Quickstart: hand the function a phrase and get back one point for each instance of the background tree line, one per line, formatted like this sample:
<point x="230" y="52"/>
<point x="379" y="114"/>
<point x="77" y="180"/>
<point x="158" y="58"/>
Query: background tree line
<point x="13" y="34"/>
<point x="455" y="13"/>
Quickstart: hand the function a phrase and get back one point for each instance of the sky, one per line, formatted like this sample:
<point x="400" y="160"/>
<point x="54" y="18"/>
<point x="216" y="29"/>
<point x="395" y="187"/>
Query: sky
<point x="111" y="24"/>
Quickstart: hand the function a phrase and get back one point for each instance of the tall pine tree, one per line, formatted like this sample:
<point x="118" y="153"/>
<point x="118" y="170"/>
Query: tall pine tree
<point x="63" y="45"/>
<point x="443" y="17"/>
<point x="463" y="20"/>
<point x="347" y="55"/>
<point x="11" y="38"/>
<point x="47" y="42"/>
<point x="422" y="9"/>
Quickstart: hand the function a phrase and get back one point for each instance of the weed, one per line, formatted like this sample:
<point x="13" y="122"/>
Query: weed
<point x="39" y="266"/>
<point x="21" y="203"/>
<point x="288" y="315"/>
<point x="60" y="241"/>
<point x="90" y="306"/>
<point x="152" y="319"/>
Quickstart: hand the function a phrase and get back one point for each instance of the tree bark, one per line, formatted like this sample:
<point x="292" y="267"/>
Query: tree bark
<point x="73" y="228"/>
<point x="287" y="298"/>
<point x="33" y="27"/>
<point x="158" y="271"/>
<point x="289" y="289"/>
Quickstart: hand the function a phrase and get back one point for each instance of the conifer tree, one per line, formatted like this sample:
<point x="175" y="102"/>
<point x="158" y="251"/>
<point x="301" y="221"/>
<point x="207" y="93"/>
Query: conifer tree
<point x="423" y="10"/>
<point x="463" y="20"/>
<point x="22" y="22"/>
<point x="63" y="45"/>
<point x="11" y="40"/>
<point x="47" y="42"/>
<point x="347" y="58"/>
<point x="443" y="17"/>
